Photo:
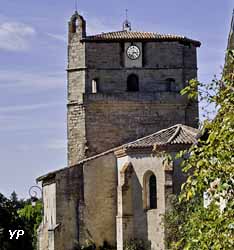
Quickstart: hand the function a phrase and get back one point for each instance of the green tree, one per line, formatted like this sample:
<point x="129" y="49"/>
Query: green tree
<point x="32" y="216"/>
<point x="10" y="220"/>
<point x="16" y="214"/>
<point x="189" y="225"/>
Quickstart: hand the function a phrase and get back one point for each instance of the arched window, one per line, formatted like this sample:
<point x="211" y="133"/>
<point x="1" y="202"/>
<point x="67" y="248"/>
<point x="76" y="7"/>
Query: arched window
<point x="74" y="24"/>
<point x="150" y="191"/>
<point x="95" y="86"/>
<point x="132" y="83"/>
<point x="169" y="84"/>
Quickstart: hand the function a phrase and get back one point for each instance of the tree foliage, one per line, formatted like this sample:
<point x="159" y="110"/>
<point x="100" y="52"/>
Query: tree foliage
<point x="189" y="225"/>
<point x="18" y="214"/>
<point x="32" y="216"/>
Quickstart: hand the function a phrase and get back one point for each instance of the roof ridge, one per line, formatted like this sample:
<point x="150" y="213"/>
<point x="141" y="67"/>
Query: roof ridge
<point x="137" y="31"/>
<point x="191" y="131"/>
<point x="108" y="32"/>
<point x="145" y="137"/>
<point x="175" y="134"/>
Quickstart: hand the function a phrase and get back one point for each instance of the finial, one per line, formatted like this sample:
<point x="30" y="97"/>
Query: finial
<point x="127" y="24"/>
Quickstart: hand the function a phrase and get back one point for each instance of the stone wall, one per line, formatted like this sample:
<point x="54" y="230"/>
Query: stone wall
<point x="155" y="55"/>
<point x="100" y="190"/>
<point x="75" y="90"/>
<point x="85" y="205"/>
<point x="45" y="231"/>
<point x="69" y="190"/>
<point x="102" y="55"/>
<point x="146" y="223"/>
<point x="111" y="117"/>
<point x="76" y="52"/>
<point x="76" y="133"/>
<point x="163" y="54"/>
<point x="150" y="80"/>
<point x="76" y="86"/>
<point x="114" y="120"/>
<point x="162" y="60"/>
<point x="105" y="121"/>
<point x="192" y="114"/>
<point x="179" y="177"/>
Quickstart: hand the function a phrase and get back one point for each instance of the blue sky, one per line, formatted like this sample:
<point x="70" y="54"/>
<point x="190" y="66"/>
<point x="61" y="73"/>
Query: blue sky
<point x="33" y="58"/>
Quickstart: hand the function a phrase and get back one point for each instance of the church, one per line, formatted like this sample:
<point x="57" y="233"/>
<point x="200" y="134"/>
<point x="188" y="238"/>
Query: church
<point x="124" y="114"/>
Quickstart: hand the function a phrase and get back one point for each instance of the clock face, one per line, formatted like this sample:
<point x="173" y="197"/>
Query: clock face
<point x="133" y="52"/>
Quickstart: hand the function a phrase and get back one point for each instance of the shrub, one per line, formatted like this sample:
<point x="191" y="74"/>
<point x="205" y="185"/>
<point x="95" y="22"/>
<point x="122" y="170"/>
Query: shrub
<point x="137" y="244"/>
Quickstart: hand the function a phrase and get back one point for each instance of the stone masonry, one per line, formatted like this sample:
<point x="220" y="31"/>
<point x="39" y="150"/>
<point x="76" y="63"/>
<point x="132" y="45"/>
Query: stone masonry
<point x="113" y="116"/>
<point x="116" y="186"/>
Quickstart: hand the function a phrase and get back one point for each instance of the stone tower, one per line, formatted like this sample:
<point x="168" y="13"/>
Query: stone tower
<point x="124" y="85"/>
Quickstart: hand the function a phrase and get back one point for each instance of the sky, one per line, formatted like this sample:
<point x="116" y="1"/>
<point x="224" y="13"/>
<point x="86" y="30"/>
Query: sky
<point x="33" y="60"/>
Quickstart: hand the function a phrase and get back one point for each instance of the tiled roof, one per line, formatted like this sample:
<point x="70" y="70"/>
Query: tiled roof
<point x="129" y="35"/>
<point x="178" y="134"/>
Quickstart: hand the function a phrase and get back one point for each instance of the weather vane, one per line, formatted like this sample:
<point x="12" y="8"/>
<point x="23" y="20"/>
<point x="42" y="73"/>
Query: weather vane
<point x="127" y="24"/>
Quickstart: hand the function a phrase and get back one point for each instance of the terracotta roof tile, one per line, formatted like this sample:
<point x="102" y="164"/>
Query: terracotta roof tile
<point x="178" y="134"/>
<point x="129" y="35"/>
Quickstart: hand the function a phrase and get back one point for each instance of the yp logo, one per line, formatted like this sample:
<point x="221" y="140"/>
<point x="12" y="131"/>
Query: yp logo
<point x="17" y="232"/>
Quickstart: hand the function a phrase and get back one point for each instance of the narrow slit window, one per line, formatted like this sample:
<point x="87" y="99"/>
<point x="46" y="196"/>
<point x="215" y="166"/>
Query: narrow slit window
<point x="95" y="86"/>
<point x="149" y="191"/>
<point x="152" y="192"/>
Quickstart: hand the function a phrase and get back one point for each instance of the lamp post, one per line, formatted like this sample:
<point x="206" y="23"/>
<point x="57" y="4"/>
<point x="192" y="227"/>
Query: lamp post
<point x="33" y="192"/>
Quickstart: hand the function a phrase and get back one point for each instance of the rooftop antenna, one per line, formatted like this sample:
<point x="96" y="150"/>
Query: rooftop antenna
<point x="127" y="24"/>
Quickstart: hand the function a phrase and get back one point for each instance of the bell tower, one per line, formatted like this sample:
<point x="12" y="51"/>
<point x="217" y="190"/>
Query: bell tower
<point x="124" y="85"/>
<point x="77" y="25"/>
<point x="76" y="88"/>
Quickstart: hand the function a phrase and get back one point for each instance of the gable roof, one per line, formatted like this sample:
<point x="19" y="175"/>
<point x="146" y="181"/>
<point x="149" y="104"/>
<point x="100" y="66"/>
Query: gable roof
<point x="175" y="135"/>
<point x="129" y="35"/>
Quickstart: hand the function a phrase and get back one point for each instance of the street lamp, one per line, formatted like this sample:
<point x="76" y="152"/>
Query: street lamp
<point x="33" y="192"/>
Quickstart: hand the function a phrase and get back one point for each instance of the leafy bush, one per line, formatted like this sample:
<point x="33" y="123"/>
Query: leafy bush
<point x="191" y="225"/>
<point x="11" y="219"/>
<point x="137" y="244"/>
